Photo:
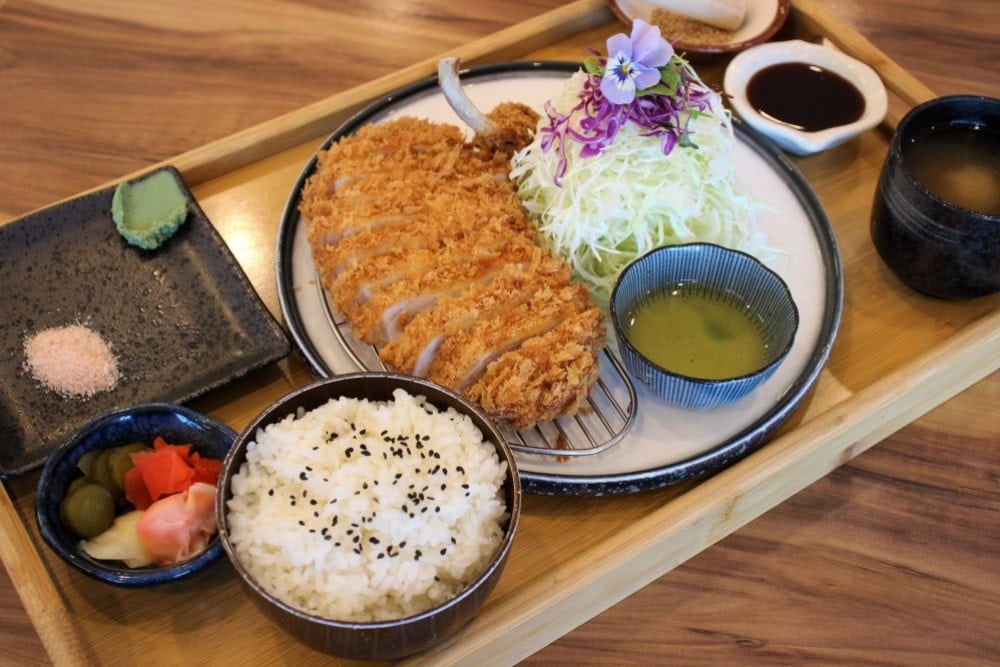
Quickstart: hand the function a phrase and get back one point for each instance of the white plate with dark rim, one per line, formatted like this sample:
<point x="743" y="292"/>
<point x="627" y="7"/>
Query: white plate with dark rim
<point x="666" y="444"/>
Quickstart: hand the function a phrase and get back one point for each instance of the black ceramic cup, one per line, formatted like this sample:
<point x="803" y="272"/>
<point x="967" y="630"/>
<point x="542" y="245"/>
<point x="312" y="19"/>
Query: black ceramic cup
<point x="936" y="246"/>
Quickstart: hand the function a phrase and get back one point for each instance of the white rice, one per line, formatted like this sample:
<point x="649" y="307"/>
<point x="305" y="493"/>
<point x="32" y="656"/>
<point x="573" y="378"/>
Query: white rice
<point x="365" y="511"/>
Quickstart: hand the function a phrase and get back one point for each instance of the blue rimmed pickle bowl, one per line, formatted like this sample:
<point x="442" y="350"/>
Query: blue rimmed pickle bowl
<point x="141" y="423"/>
<point x="700" y="325"/>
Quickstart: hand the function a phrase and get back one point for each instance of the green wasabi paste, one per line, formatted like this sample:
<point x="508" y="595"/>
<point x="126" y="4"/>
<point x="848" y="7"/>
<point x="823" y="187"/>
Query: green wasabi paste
<point x="148" y="211"/>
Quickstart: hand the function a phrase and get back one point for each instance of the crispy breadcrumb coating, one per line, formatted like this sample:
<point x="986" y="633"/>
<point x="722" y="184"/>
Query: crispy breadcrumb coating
<point x="423" y="246"/>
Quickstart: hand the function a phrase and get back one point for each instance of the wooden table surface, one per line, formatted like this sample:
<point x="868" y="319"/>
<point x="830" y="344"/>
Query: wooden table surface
<point x="894" y="558"/>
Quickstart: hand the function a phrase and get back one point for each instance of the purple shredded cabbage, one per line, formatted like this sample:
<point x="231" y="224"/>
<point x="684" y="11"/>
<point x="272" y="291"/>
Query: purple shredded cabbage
<point x="659" y="114"/>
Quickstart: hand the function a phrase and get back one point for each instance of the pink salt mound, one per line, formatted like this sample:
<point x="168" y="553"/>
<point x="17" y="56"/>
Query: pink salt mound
<point x="72" y="360"/>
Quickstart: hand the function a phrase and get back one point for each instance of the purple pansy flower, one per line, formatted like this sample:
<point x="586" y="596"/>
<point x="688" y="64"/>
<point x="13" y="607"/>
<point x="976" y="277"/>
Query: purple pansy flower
<point x="641" y="81"/>
<point x="634" y="62"/>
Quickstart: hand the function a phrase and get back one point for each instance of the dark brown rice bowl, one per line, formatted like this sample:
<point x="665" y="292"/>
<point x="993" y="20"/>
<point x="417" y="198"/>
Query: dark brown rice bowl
<point x="380" y="640"/>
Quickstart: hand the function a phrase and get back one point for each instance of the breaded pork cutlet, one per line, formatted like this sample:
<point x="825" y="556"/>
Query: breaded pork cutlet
<point x="381" y="158"/>
<point x="546" y="377"/>
<point x="464" y="356"/>
<point x="450" y="212"/>
<point x="382" y="317"/>
<point x="387" y="196"/>
<point x="423" y="246"/>
<point x="409" y="143"/>
<point x="414" y="350"/>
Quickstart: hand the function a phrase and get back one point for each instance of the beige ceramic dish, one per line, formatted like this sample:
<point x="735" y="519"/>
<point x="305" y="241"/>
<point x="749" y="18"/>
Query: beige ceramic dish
<point x="763" y="19"/>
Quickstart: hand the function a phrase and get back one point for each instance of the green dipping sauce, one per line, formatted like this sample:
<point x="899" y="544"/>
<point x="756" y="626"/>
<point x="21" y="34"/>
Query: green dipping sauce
<point x="149" y="211"/>
<point x="698" y="335"/>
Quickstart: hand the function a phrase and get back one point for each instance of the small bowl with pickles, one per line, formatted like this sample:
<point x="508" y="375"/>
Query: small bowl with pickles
<point x="700" y="325"/>
<point x="82" y="492"/>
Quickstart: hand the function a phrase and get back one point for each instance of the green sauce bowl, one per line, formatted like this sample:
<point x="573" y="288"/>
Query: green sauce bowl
<point x="715" y="273"/>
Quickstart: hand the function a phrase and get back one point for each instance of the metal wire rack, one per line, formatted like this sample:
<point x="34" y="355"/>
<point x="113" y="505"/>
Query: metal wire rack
<point x="599" y="425"/>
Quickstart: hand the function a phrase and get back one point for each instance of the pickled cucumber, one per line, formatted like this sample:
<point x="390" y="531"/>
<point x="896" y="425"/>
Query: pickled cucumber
<point x="120" y="462"/>
<point x="88" y="511"/>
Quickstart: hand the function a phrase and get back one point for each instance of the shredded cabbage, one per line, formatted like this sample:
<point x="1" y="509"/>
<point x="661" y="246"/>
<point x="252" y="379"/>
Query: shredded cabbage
<point x="610" y="208"/>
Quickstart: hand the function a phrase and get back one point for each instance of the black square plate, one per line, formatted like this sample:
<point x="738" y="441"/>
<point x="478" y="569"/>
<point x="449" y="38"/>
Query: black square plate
<point x="181" y="319"/>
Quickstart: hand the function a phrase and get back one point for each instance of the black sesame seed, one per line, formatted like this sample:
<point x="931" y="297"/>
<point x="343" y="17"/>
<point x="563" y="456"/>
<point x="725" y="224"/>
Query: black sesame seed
<point x="444" y="551"/>
<point x="303" y="476"/>
<point x="313" y="501"/>
<point x="363" y="431"/>
<point x="270" y="492"/>
<point x="309" y="468"/>
<point x="373" y="540"/>
<point x="366" y="453"/>
<point x="301" y="522"/>
<point x="381" y="556"/>
<point x="330" y="537"/>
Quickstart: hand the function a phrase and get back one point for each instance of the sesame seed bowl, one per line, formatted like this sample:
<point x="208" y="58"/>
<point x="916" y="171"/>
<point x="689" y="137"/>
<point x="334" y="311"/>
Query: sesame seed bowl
<point x="369" y="515"/>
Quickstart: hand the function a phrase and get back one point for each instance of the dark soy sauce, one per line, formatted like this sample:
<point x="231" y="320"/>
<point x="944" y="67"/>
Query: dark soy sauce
<point x="806" y="97"/>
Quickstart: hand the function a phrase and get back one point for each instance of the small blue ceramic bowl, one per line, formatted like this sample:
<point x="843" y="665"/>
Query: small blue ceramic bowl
<point x="720" y="273"/>
<point x="142" y="423"/>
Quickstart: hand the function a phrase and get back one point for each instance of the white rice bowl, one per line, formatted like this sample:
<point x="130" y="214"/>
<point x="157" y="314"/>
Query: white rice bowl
<point x="368" y="510"/>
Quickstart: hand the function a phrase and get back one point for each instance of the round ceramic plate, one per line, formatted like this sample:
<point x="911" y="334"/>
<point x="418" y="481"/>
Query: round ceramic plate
<point x="666" y="444"/>
<point x="763" y="18"/>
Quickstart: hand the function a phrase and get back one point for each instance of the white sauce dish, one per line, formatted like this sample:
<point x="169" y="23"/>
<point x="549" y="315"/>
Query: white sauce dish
<point x="790" y="135"/>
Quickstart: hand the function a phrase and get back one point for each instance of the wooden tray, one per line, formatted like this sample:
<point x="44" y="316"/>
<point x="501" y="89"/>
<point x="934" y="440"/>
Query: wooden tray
<point x="898" y="355"/>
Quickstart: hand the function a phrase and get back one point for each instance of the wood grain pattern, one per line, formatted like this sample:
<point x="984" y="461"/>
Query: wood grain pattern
<point x="802" y="582"/>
